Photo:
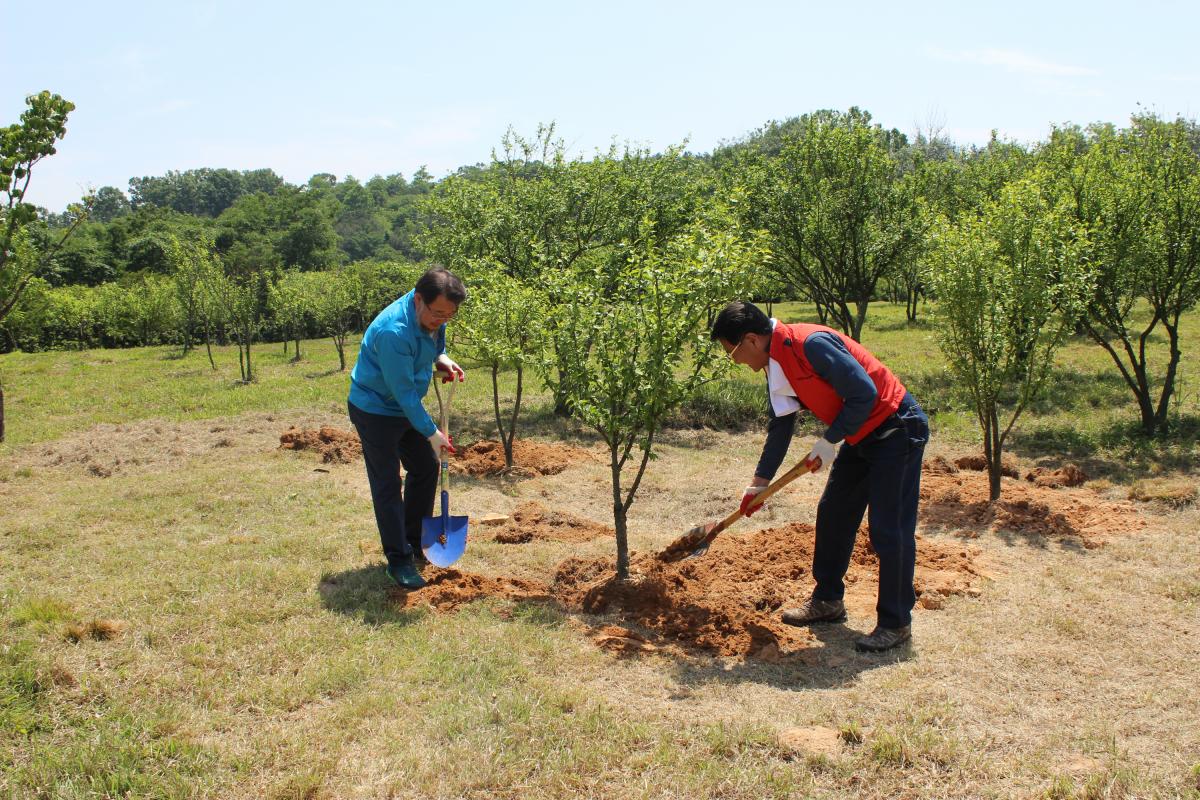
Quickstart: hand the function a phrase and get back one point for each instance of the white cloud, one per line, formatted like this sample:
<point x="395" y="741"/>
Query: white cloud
<point x="1011" y="61"/>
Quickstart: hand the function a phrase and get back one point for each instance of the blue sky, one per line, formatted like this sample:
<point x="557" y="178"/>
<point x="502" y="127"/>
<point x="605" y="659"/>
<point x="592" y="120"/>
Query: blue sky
<point x="365" y="88"/>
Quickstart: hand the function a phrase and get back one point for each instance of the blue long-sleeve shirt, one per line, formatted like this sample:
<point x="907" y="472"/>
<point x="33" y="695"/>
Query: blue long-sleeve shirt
<point x="395" y="365"/>
<point x="835" y="365"/>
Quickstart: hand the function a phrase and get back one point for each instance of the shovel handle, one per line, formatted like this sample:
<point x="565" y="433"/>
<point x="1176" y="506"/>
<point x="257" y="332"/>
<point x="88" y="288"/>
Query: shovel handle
<point x="809" y="464"/>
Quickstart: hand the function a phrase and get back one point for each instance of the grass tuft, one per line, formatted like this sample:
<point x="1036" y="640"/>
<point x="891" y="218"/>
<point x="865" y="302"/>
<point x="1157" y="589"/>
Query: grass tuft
<point x="1171" y="492"/>
<point x="100" y="630"/>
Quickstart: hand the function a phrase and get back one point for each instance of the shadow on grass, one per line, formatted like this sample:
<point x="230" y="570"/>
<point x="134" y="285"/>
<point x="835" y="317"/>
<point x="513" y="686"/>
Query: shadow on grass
<point x="364" y="594"/>
<point x="1118" y="451"/>
<point x="325" y="374"/>
<point x="833" y="665"/>
<point x="921" y="323"/>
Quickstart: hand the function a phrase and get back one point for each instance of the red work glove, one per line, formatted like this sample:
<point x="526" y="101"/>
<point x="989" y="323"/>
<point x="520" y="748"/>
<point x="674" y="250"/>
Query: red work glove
<point x="450" y="371"/>
<point x="748" y="498"/>
<point x="439" y="442"/>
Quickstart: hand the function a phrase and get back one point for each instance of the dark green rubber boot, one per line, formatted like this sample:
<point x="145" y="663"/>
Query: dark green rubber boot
<point x="405" y="574"/>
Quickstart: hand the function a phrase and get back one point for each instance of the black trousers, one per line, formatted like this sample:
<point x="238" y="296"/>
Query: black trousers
<point x="388" y="442"/>
<point x="881" y="475"/>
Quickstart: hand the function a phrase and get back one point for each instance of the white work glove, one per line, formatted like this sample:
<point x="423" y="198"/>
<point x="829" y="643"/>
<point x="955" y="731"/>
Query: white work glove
<point x="440" y="441"/>
<point x="822" y="453"/>
<point x="748" y="496"/>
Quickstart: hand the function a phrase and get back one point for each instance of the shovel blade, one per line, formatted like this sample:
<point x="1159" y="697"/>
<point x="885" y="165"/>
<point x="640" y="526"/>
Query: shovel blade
<point x="443" y="539"/>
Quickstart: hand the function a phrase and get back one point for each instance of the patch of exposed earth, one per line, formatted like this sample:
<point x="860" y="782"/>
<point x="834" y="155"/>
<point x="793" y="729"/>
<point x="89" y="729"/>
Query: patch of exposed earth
<point x="482" y="458"/>
<point x="1039" y="506"/>
<point x="532" y="521"/>
<point x="725" y="603"/>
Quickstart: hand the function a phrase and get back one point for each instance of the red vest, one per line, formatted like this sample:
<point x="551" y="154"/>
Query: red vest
<point x="787" y="348"/>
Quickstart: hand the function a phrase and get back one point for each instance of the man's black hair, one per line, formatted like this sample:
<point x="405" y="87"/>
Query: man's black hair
<point x="441" y="282"/>
<point x="739" y="318"/>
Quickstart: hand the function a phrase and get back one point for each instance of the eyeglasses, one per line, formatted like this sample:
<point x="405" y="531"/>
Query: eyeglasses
<point x="737" y="347"/>
<point x="438" y="316"/>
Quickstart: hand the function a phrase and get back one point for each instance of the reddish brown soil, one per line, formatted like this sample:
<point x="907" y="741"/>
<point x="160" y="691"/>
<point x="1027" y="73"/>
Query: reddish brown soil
<point x="486" y="457"/>
<point x="533" y="521"/>
<point x="483" y="458"/>
<point x="978" y="463"/>
<point x="333" y="444"/>
<point x="448" y="589"/>
<point x="1067" y="475"/>
<point x="726" y="602"/>
<point x="960" y="501"/>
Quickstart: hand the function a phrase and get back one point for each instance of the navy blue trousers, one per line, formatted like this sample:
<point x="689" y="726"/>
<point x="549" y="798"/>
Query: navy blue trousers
<point x="388" y="442"/>
<point x="881" y="475"/>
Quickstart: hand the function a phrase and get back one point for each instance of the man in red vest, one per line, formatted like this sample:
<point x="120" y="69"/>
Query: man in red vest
<point x="882" y="432"/>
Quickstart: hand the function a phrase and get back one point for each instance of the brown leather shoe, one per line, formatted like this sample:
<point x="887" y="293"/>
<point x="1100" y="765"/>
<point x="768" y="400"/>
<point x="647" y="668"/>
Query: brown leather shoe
<point x="882" y="639"/>
<point x="814" y="610"/>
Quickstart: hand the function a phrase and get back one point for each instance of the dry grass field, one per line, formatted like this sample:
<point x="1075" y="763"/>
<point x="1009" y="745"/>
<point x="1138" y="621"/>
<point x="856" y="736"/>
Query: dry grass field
<point x="187" y="610"/>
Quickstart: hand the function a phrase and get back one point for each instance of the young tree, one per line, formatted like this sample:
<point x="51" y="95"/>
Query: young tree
<point x="290" y="302"/>
<point x="840" y="211"/>
<point x="1137" y="191"/>
<point x="248" y="267"/>
<point x="503" y="328"/>
<point x="333" y="296"/>
<point x="1009" y="284"/>
<point x="191" y="261"/>
<point x="635" y="342"/>
<point x="22" y="145"/>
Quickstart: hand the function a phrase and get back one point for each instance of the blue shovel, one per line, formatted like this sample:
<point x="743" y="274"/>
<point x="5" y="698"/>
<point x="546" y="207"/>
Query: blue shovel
<point x="444" y="538"/>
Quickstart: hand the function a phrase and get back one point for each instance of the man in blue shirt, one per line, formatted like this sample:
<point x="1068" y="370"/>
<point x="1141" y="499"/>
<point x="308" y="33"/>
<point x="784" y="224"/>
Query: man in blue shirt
<point x="399" y="352"/>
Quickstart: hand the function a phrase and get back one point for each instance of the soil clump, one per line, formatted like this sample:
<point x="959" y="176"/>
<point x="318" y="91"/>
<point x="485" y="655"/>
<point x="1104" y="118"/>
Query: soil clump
<point x="481" y="459"/>
<point x="1067" y="475"/>
<point x="532" y="521"/>
<point x="530" y="459"/>
<point x="449" y="589"/>
<point x="334" y="445"/>
<point x="978" y="463"/>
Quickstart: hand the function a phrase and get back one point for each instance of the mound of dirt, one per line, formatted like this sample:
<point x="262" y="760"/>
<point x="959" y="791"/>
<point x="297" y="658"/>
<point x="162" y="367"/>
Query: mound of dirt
<point x="725" y="603"/>
<point x="334" y="445"/>
<point x="532" y="459"/>
<point x="448" y="589"/>
<point x="978" y="463"/>
<point x="1067" y="475"/>
<point x="960" y="502"/>
<point x="533" y="521"/>
<point x="938" y="465"/>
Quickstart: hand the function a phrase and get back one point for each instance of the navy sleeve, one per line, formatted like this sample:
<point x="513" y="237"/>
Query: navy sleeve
<point x="779" y="436"/>
<point x="833" y="363"/>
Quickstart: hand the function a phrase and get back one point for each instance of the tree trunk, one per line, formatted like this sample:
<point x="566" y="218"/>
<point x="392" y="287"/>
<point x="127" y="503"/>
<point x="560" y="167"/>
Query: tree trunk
<point x="1" y="412"/>
<point x="339" y="343"/>
<point x="1161" y="423"/>
<point x="619" y="516"/>
<point x="504" y="440"/>
<point x="991" y="453"/>
<point x="512" y="425"/>
<point x="859" y="319"/>
<point x="208" y="344"/>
